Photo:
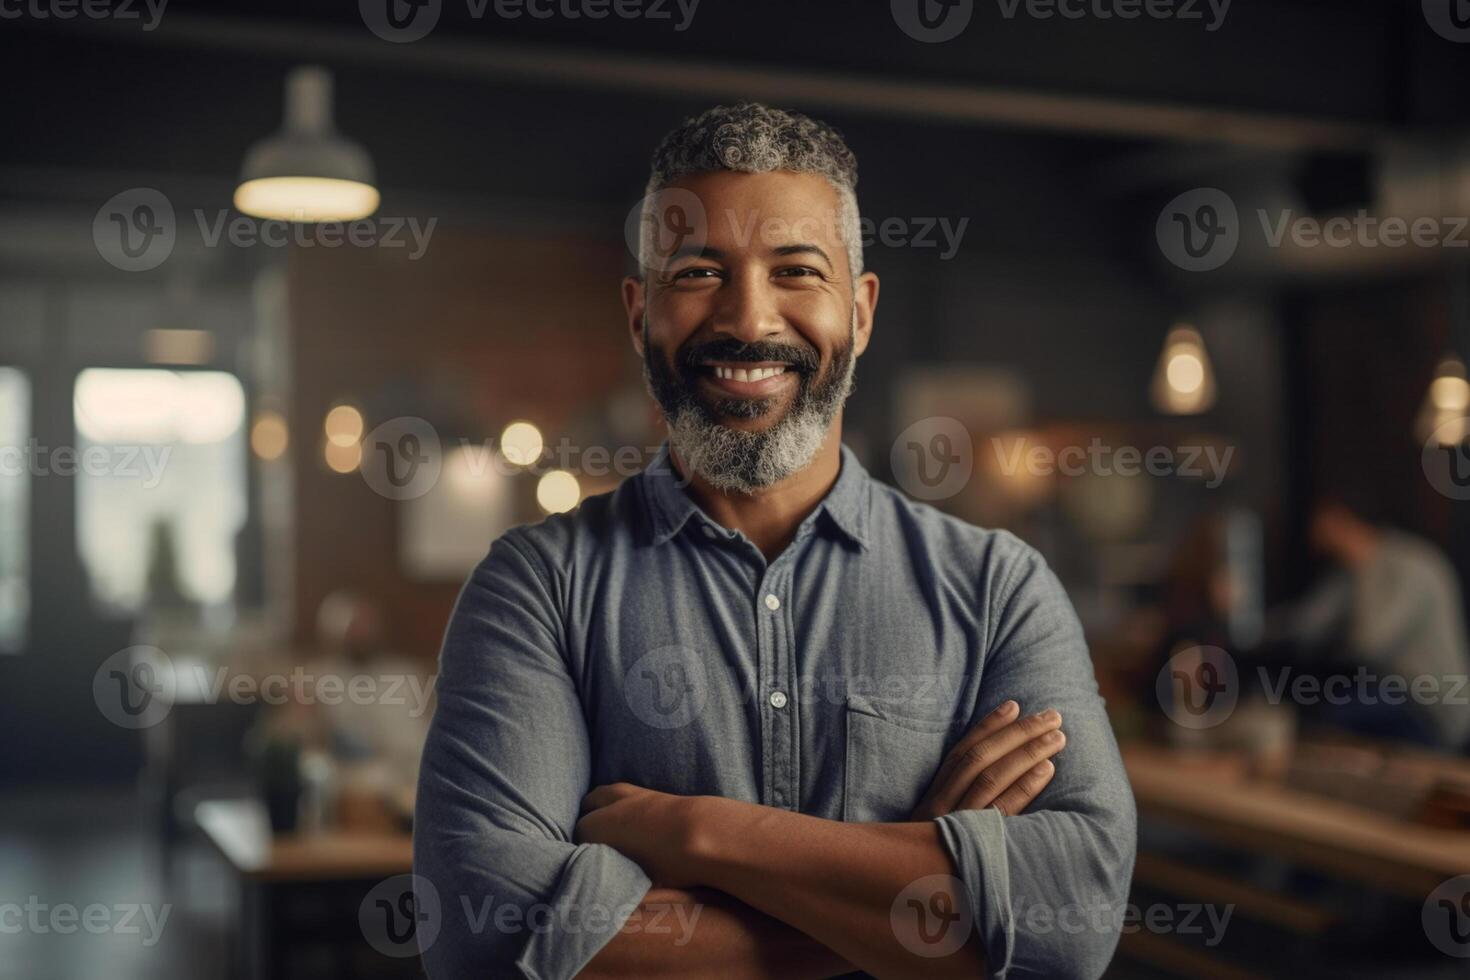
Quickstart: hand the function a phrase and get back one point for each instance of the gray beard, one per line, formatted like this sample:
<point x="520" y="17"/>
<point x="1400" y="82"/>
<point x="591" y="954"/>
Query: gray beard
<point x="733" y="460"/>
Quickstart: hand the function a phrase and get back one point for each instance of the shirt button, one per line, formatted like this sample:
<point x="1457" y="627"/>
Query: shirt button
<point x="709" y="532"/>
<point x="778" y="699"/>
<point x="772" y="603"/>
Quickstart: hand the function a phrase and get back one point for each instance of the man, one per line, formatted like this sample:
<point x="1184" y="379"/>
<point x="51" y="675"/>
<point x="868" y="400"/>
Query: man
<point x="1390" y="605"/>
<point x="792" y="692"/>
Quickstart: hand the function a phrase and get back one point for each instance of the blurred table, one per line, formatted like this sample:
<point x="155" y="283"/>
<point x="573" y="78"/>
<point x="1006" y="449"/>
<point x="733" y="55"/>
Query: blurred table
<point x="1214" y="794"/>
<point x="296" y="887"/>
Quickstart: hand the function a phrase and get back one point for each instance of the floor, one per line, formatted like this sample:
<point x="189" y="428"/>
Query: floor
<point x="84" y="893"/>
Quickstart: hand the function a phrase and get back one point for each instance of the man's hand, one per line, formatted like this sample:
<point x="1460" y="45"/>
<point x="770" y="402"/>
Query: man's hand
<point x="1002" y="762"/>
<point x="657" y="830"/>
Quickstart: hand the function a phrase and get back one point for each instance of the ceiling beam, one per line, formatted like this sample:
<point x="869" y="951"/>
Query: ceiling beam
<point x="991" y="106"/>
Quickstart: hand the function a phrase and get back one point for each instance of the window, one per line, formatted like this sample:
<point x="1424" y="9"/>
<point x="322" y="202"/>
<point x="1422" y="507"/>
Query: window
<point x="15" y="485"/>
<point x="161" y="485"/>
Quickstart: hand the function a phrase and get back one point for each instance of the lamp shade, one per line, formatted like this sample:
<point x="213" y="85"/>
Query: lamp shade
<point x="1184" y="381"/>
<point x="1445" y="413"/>
<point x="307" y="172"/>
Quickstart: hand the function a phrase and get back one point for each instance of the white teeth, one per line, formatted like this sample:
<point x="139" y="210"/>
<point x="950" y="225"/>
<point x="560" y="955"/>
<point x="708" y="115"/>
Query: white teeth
<point x="743" y="374"/>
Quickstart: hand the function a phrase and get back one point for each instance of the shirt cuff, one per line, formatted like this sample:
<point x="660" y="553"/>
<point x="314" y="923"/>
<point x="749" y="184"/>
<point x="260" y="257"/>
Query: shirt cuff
<point x="599" y="889"/>
<point x="976" y="842"/>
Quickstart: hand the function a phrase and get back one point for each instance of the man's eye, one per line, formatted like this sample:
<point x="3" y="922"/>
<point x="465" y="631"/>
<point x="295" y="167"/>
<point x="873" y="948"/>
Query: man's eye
<point x="798" y="271"/>
<point x="697" y="272"/>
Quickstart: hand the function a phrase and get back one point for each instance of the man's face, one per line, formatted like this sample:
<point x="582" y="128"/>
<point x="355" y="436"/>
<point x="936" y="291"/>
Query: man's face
<point x="748" y="341"/>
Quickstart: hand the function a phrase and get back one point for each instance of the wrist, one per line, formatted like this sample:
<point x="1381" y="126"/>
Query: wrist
<point x="706" y="834"/>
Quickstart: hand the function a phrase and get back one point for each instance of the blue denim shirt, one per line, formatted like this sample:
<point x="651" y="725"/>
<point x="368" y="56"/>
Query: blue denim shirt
<point x="637" y="640"/>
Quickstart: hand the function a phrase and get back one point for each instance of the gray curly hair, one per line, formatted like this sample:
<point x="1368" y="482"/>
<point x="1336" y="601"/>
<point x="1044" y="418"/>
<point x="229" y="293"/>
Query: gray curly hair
<point x="754" y="138"/>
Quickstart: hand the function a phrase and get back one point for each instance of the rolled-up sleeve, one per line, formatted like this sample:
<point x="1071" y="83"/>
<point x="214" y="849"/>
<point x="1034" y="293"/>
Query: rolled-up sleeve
<point x="504" y="770"/>
<point x="1048" y="888"/>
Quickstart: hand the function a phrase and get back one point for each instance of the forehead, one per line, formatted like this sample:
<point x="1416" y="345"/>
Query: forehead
<point x="766" y="210"/>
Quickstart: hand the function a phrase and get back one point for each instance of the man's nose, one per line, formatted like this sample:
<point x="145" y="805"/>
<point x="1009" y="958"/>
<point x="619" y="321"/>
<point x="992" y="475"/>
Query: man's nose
<point x="747" y="310"/>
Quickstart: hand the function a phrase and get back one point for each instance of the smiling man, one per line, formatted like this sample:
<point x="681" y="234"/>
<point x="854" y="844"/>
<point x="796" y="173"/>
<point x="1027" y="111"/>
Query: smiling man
<point x="754" y="713"/>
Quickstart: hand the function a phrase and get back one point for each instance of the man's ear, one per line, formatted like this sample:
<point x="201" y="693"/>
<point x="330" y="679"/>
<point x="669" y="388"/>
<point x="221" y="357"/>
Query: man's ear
<point x="865" y="306"/>
<point x="634" y="297"/>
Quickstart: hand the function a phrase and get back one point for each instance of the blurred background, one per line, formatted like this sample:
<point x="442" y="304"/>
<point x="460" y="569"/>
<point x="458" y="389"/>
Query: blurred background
<point x="1178" y="292"/>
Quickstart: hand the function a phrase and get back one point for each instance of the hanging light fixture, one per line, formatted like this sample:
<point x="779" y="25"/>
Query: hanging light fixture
<point x="1446" y="404"/>
<point x="307" y="171"/>
<point x="1184" y="382"/>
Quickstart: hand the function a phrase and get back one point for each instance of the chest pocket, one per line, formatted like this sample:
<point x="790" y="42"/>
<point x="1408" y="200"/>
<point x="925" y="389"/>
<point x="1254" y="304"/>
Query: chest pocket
<point x="890" y="760"/>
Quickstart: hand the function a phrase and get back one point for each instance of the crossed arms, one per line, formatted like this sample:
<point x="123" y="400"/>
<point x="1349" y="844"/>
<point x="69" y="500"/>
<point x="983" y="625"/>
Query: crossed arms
<point x="818" y="893"/>
<point x="764" y="892"/>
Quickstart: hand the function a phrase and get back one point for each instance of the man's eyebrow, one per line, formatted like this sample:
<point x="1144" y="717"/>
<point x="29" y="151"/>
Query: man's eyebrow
<point x="803" y="248"/>
<point x="696" y="252"/>
<point x="718" y="255"/>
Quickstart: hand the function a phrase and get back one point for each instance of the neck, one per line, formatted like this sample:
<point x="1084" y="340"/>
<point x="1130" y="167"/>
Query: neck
<point x="1358" y="549"/>
<point x="770" y="517"/>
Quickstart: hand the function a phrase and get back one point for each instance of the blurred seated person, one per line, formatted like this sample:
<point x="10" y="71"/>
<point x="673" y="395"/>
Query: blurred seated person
<point x="1389" y="604"/>
<point x="378" y="710"/>
<point x="1210" y="596"/>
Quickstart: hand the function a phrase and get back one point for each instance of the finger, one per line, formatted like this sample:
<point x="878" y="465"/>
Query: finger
<point x="1024" y="790"/>
<point x="955" y="776"/>
<point x="1004" y="772"/>
<point x="990" y="724"/>
<point x="605" y="795"/>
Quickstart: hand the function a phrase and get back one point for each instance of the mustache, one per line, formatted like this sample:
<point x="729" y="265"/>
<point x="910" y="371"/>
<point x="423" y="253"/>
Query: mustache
<point x="801" y="357"/>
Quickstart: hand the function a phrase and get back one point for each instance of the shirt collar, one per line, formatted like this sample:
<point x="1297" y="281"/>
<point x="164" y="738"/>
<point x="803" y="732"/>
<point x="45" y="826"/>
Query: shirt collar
<point x="669" y="507"/>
